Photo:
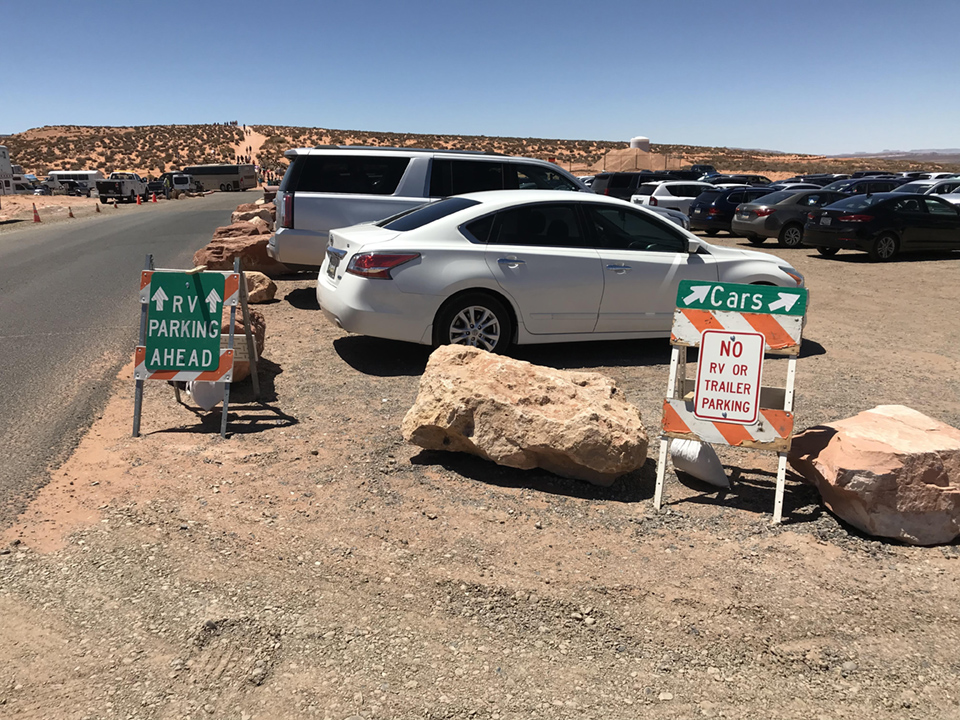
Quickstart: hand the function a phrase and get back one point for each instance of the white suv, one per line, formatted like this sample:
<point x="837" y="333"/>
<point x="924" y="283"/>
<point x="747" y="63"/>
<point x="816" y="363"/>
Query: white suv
<point x="338" y="186"/>
<point x="676" y="195"/>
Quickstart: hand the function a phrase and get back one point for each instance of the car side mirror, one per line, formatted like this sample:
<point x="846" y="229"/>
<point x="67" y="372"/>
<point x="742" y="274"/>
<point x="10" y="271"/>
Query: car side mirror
<point x="693" y="246"/>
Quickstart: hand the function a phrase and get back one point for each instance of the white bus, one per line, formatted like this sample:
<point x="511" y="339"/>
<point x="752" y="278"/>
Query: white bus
<point x="224" y="176"/>
<point x="6" y="172"/>
<point x="87" y="177"/>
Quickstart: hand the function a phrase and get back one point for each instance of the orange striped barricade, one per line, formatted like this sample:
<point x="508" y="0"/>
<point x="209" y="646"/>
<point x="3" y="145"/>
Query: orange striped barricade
<point x="180" y="338"/>
<point x="734" y="327"/>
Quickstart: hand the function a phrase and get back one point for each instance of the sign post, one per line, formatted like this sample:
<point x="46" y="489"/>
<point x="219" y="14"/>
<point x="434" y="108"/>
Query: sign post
<point x="180" y="338"/>
<point x="734" y="326"/>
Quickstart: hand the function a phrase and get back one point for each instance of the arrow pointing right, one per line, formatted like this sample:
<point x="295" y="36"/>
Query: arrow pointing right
<point x="698" y="294"/>
<point x="158" y="297"/>
<point x="786" y="301"/>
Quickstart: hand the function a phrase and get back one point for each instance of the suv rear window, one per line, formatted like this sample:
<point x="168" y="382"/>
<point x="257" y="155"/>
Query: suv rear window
<point x="456" y="177"/>
<point x="346" y="174"/>
<point x="426" y="214"/>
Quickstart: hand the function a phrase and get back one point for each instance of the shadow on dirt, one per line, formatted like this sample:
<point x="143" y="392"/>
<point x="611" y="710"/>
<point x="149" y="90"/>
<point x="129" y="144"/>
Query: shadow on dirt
<point x="382" y="358"/>
<point x="856" y="257"/>
<point x="303" y="299"/>
<point x="633" y="487"/>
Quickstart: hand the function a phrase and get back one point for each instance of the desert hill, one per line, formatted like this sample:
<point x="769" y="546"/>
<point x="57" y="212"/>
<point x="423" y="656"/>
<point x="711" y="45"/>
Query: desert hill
<point x="152" y="149"/>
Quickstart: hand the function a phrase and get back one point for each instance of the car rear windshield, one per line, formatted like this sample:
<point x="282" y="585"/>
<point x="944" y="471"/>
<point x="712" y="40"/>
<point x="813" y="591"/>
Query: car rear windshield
<point x="708" y="196"/>
<point x="354" y="174"/>
<point x="913" y="187"/>
<point x="857" y="202"/>
<point x="426" y="214"/>
<point x="646" y="189"/>
<point x="775" y="197"/>
<point x="621" y="180"/>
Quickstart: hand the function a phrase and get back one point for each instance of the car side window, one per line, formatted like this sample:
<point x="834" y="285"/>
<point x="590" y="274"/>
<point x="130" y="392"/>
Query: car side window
<point x="534" y="177"/>
<point x="546" y="225"/>
<point x="908" y="205"/>
<point x="751" y="196"/>
<point x="351" y="174"/>
<point x="479" y="230"/>
<point x="936" y="206"/>
<point x="735" y="198"/>
<point x="814" y="200"/>
<point x="625" y="229"/>
<point x="455" y="177"/>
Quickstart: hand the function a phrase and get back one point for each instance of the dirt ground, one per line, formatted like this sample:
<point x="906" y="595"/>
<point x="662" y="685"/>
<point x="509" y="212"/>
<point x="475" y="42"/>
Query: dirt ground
<point x="315" y="565"/>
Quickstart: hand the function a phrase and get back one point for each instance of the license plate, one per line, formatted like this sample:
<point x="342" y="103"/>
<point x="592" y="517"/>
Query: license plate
<point x="698" y="211"/>
<point x="825" y="220"/>
<point x="743" y="215"/>
<point x="333" y="264"/>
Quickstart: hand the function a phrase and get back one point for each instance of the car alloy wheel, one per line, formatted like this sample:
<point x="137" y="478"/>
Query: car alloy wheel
<point x="884" y="248"/>
<point x="791" y="236"/>
<point x="477" y="320"/>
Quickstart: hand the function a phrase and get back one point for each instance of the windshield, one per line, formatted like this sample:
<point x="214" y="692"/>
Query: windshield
<point x="857" y="202"/>
<point x="840" y="185"/>
<point x="775" y="197"/>
<point x="913" y="187"/>
<point x="425" y="214"/>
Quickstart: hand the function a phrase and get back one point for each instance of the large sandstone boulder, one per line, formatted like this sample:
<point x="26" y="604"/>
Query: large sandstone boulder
<point x="890" y="471"/>
<point x="258" y="326"/>
<point x="239" y="229"/>
<point x="573" y="424"/>
<point x="262" y="214"/>
<point x="248" y="241"/>
<point x="260" y="288"/>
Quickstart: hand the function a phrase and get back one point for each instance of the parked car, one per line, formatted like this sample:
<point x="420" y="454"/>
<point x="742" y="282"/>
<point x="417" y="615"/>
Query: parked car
<point x="884" y="225"/>
<point x="953" y="197"/>
<point x="739" y="179"/>
<point x="785" y="185"/>
<point x="330" y="187"/>
<point x="496" y="268"/>
<point x="870" y="173"/>
<point x="156" y="187"/>
<point x="674" y="216"/>
<point x="819" y="179"/>
<point x="713" y="210"/>
<point x="624" y="185"/>
<point x="677" y="195"/>
<point x="780" y="215"/>
<point x="42" y="190"/>
<point x="704" y="169"/>
<point x="586" y="179"/>
<point x="931" y="187"/>
<point x="866" y="185"/>
<point x="936" y="175"/>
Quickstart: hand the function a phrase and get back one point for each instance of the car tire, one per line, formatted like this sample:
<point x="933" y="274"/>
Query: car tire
<point x="885" y="247"/>
<point x="103" y="201"/>
<point x="711" y="232"/>
<point x="791" y="236"/>
<point x="476" y="319"/>
<point x="755" y="239"/>
<point x="827" y="251"/>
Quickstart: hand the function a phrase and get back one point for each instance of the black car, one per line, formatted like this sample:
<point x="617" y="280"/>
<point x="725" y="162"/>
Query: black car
<point x="870" y="173"/>
<point x="713" y="210"/>
<point x="820" y="179"/>
<point x="624" y="185"/>
<point x="884" y="225"/>
<point x="703" y="169"/>
<point x="740" y="179"/>
<point x="866" y="185"/>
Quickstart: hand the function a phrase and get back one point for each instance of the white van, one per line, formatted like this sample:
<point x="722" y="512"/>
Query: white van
<point x="183" y="182"/>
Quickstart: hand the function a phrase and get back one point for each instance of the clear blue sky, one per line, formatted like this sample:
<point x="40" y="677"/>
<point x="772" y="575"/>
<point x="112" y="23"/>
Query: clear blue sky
<point x="802" y="76"/>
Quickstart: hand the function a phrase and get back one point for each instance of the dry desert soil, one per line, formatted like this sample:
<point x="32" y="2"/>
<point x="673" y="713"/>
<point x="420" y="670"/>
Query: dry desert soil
<point x="313" y="564"/>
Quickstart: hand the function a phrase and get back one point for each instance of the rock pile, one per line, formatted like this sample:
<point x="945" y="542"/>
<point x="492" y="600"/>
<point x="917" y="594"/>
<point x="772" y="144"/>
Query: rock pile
<point x="245" y="237"/>
<point x="890" y="471"/>
<point x="573" y="424"/>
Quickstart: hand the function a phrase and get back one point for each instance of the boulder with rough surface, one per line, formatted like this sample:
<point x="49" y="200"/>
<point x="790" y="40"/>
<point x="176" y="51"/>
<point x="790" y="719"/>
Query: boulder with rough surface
<point x="260" y="288"/>
<point x="890" y="471"/>
<point x="239" y="229"/>
<point x="258" y="326"/>
<point x="251" y="249"/>
<point x="573" y="424"/>
<point x="262" y="214"/>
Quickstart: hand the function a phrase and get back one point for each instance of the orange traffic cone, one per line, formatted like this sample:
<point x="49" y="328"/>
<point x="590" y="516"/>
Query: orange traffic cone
<point x="114" y="204"/>
<point x="98" y="207"/>
<point x="69" y="211"/>
<point x="36" y="215"/>
<point x="139" y="201"/>
<point x="154" y="198"/>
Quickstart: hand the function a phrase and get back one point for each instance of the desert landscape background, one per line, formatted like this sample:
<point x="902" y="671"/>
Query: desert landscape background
<point x="152" y="149"/>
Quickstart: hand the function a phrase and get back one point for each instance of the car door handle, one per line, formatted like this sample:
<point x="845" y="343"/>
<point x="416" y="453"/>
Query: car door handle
<point x="619" y="269"/>
<point x="511" y="262"/>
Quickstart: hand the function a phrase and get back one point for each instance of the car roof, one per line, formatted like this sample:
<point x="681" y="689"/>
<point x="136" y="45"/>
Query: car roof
<point x="495" y="199"/>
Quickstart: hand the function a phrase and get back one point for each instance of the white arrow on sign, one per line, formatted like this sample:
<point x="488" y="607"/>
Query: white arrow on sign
<point x="786" y="301"/>
<point x="212" y="299"/>
<point x="699" y="294"/>
<point x="158" y="297"/>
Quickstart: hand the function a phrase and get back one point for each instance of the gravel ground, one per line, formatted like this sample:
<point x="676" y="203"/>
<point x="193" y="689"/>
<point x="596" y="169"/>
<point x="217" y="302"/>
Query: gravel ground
<point x="315" y="565"/>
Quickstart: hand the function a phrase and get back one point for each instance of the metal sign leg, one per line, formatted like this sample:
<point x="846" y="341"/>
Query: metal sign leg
<point x="781" y="482"/>
<point x="661" y="471"/>
<point x="138" y="394"/>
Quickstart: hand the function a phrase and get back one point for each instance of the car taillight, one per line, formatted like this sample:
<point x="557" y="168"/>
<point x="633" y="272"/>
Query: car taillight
<point x="653" y="200"/>
<point x="606" y="191"/>
<point x="713" y="211"/>
<point x="763" y="212"/>
<point x="855" y="218"/>
<point x="378" y="265"/>
<point x="811" y="216"/>
<point x="287" y="211"/>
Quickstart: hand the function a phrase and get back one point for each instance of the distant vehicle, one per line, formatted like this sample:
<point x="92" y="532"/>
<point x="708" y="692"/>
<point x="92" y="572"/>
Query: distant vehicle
<point x="936" y="175"/>
<point x="713" y="210"/>
<point x="184" y="183"/>
<point x="42" y="190"/>
<point x="703" y="169"/>
<point x="870" y="173"/>
<point x="623" y="185"/>
<point x="225" y="177"/>
<point x="866" y="185"/>
<point x="780" y="215"/>
<point x="156" y="187"/>
<point x="495" y="268"/>
<point x="674" y="216"/>
<point x="73" y="188"/>
<point x="784" y="185"/>
<point x="586" y="179"/>
<point x="6" y="172"/>
<point x="819" y="179"/>
<point x="931" y="187"/>
<point x="676" y="195"/>
<point x="87" y="177"/>
<point x="953" y="198"/>
<point x="740" y="179"/>
<point x="122" y="186"/>
<point x="884" y="225"/>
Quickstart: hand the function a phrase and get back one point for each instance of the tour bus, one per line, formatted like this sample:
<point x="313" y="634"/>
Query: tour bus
<point x="6" y="172"/>
<point x="224" y="176"/>
<point x="87" y="177"/>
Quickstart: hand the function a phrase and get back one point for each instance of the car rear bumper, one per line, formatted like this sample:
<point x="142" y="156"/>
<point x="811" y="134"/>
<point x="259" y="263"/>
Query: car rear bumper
<point x="709" y="223"/>
<point x="816" y="236"/>
<point x="756" y="226"/>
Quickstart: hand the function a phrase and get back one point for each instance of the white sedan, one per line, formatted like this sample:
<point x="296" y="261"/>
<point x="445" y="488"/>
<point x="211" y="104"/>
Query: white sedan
<point x="673" y="194"/>
<point x="523" y="266"/>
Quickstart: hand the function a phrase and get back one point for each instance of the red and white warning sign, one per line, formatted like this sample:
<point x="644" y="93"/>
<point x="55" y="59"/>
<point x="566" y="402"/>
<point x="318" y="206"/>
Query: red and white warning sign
<point x="728" y="376"/>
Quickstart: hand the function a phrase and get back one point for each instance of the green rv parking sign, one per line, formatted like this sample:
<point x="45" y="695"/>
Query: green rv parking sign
<point x="183" y="321"/>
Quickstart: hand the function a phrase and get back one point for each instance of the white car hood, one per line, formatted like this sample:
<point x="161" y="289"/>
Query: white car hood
<point x="725" y="252"/>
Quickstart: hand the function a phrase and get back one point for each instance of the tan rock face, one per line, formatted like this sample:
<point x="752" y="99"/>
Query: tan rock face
<point x="890" y="471"/>
<point x="258" y="326"/>
<point x="252" y="251"/>
<point x="573" y="424"/>
<point x="260" y="288"/>
<point x="238" y="230"/>
<point x="262" y="214"/>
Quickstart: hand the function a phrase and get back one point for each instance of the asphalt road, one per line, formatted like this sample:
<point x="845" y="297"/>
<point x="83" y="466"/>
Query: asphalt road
<point x="69" y="317"/>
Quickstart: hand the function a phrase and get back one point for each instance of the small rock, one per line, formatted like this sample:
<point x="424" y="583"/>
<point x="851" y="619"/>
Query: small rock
<point x="849" y="666"/>
<point x="538" y="525"/>
<point x="590" y="621"/>
<point x="665" y="696"/>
